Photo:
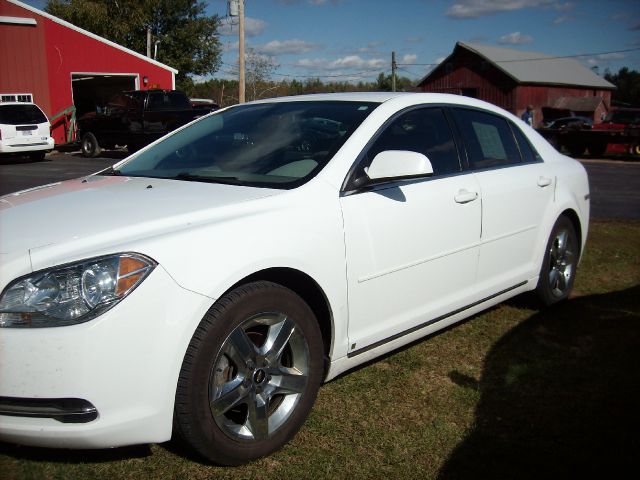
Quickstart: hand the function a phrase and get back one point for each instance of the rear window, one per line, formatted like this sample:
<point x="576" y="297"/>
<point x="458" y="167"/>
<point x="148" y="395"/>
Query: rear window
<point x="168" y="101"/>
<point x="21" y="114"/>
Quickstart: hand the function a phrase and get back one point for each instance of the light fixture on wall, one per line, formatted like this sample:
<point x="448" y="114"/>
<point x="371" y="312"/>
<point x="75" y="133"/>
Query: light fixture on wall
<point x="145" y="80"/>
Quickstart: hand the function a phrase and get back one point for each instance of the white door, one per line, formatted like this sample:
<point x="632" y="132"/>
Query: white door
<point x="412" y="247"/>
<point x="517" y="189"/>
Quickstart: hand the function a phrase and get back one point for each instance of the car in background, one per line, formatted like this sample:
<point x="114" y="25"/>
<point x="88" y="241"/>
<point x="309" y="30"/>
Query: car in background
<point x="574" y="123"/>
<point x="208" y="284"/>
<point x="135" y="118"/>
<point x="620" y="119"/>
<point x="205" y="103"/>
<point x="24" y="130"/>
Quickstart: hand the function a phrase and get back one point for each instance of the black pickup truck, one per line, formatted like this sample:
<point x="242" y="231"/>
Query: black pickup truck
<point x="135" y="119"/>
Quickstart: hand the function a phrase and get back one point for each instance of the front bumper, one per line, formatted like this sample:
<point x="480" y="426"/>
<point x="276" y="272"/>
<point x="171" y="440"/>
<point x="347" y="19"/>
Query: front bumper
<point x="124" y="363"/>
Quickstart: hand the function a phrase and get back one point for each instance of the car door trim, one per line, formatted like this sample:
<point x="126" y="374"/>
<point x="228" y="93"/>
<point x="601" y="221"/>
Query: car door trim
<point x="388" y="271"/>
<point x="430" y="322"/>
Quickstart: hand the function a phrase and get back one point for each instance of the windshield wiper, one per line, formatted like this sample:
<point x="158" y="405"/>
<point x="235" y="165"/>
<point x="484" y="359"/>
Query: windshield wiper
<point x="190" y="177"/>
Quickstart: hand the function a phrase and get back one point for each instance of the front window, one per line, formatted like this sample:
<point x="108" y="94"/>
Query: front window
<point x="277" y="145"/>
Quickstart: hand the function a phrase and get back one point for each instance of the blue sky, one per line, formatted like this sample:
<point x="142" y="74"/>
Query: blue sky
<point x="353" y="39"/>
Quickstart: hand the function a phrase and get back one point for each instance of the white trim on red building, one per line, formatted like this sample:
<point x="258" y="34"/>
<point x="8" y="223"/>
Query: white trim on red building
<point x="92" y="35"/>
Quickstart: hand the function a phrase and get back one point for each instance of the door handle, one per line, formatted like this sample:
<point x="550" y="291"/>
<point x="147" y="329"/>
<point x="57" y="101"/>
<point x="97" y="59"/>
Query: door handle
<point x="465" y="196"/>
<point x="544" y="182"/>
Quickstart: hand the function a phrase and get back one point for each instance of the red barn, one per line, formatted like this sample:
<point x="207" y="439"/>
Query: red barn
<point x="58" y="65"/>
<point x="513" y="79"/>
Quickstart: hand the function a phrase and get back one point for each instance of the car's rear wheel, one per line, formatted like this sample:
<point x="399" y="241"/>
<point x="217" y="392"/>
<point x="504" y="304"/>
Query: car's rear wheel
<point x="558" y="270"/>
<point x="90" y="146"/>
<point x="250" y="375"/>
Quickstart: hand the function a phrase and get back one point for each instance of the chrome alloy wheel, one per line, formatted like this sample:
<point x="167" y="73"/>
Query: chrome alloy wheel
<point x="258" y="377"/>
<point x="562" y="255"/>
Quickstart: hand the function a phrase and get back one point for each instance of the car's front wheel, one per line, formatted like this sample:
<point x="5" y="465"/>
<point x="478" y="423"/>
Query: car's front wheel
<point x="250" y="375"/>
<point x="558" y="270"/>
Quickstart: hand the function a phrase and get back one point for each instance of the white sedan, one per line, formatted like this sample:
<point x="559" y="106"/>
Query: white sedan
<point x="211" y="282"/>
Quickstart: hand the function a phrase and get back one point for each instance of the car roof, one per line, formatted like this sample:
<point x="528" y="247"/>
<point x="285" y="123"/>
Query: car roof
<point x="382" y="97"/>
<point x="405" y="99"/>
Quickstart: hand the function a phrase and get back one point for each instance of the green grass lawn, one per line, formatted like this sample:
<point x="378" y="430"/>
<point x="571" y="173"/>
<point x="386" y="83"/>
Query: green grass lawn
<point x="515" y="392"/>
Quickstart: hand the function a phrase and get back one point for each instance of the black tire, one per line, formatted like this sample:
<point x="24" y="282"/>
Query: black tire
<point x="235" y="404"/>
<point x="90" y="146"/>
<point x="558" y="270"/>
<point x="37" y="156"/>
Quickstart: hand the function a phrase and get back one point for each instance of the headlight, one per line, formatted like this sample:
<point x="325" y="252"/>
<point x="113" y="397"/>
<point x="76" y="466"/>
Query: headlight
<point x="73" y="293"/>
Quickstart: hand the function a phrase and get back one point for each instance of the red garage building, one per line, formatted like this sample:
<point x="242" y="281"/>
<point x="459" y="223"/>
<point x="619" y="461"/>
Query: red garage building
<point x="58" y="65"/>
<point x="513" y="79"/>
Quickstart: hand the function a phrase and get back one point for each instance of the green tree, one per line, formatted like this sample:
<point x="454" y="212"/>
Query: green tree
<point x="628" y="86"/>
<point x="188" y="37"/>
<point x="384" y="84"/>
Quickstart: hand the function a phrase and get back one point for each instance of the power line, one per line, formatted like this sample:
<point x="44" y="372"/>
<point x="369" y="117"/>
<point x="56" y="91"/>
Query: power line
<point x="343" y="75"/>
<point x="533" y="59"/>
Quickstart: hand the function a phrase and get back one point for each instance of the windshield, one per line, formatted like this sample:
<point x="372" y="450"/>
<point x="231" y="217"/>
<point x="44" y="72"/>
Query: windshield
<point x="21" y="114"/>
<point x="276" y="145"/>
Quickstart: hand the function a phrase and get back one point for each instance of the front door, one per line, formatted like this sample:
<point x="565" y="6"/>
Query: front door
<point x="412" y="246"/>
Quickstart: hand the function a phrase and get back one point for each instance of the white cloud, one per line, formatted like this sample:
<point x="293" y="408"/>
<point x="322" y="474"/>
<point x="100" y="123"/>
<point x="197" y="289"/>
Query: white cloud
<point x="348" y="62"/>
<point x="478" y="8"/>
<point x="604" y="60"/>
<point x="562" y="19"/>
<point x="252" y="26"/>
<point x="409" y="58"/>
<point x="515" y="38"/>
<point x="277" y="47"/>
<point x="611" y="56"/>
<point x="311" y="2"/>
<point x="230" y="46"/>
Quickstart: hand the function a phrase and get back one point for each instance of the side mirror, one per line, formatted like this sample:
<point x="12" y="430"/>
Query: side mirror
<point x="397" y="164"/>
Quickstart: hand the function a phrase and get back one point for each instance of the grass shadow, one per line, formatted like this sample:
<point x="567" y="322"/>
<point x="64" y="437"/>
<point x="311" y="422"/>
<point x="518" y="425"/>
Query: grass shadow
<point x="560" y="395"/>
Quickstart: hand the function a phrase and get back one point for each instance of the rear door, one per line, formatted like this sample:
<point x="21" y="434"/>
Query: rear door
<point x="517" y="189"/>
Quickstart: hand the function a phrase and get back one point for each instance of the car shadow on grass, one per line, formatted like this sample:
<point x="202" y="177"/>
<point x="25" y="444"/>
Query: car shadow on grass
<point x="559" y="395"/>
<point x="55" y="455"/>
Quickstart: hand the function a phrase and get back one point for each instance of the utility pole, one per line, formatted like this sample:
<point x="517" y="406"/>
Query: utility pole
<point x="241" y="83"/>
<point x="148" y="42"/>
<point x="394" y="66"/>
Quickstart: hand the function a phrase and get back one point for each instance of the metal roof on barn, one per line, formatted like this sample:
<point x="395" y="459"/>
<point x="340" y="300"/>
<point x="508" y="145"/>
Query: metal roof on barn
<point x="533" y="67"/>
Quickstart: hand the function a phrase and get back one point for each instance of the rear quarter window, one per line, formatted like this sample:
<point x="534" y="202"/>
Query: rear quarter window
<point x="529" y="153"/>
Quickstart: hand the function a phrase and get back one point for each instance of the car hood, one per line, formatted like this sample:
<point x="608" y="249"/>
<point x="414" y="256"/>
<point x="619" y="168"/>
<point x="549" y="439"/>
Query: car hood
<point x="99" y="210"/>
